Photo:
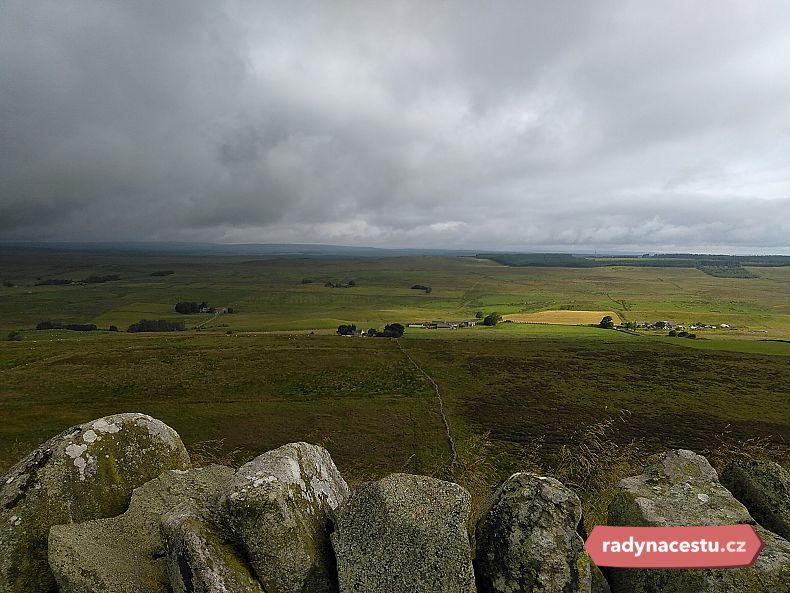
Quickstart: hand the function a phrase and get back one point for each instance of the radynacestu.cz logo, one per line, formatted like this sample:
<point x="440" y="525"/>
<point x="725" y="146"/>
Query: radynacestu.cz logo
<point x="720" y="546"/>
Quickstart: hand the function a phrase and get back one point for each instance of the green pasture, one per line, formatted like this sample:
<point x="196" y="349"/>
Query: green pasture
<point x="257" y="378"/>
<point x="269" y="295"/>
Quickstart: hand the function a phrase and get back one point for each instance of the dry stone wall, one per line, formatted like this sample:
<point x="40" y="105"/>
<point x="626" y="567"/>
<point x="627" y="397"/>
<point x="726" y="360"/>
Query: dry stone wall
<point x="112" y="506"/>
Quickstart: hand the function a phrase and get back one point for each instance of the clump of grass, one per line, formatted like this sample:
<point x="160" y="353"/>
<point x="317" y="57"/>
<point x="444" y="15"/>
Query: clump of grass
<point x="480" y="470"/>
<point x="214" y="451"/>
<point x="593" y="463"/>
<point x="727" y="447"/>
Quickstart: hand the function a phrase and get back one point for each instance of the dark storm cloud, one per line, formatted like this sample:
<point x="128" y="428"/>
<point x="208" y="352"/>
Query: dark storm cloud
<point x="564" y="125"/>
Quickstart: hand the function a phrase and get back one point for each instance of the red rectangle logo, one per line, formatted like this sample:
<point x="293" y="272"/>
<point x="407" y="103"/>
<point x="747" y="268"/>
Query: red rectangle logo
<point x="721" y="546"/>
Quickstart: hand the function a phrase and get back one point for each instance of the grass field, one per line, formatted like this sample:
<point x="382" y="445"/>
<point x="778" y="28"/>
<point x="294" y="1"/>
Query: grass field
<point x="274" y="372"/>
<point x="561" y="317"/>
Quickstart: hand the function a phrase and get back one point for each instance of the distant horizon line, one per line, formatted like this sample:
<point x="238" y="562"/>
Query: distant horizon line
<point x="225" y="246"/>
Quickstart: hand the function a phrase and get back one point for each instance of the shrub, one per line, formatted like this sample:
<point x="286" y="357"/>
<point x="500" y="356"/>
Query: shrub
<point x="672" y="333"/>
<point x="307" y="281"/>
<point x="682" y="334"/>
<point x="346" y="329"/>
<point x="15" y="336"/>
<point x="8" y="284"/>
<point x="162" y="273"/>
<point x="113" y="328"/>
<point x="49" y="325"/>
<point x="692" y="336"/>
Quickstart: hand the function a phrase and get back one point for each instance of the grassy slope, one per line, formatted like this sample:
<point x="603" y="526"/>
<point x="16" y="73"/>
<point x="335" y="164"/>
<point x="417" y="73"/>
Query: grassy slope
<point x="373" y="410"/>
<point x="360" y="397"/>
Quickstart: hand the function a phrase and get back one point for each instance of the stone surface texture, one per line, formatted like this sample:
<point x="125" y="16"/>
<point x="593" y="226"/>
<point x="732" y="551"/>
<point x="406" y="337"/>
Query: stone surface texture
<point x="127" y="553"/>
<point x="527" y="539"/>
<point x="404" y="534"/>
<point x="86" y="472"/>
<point x="279" y="508"/>
<point x="679" y="488"/>
<point x="764" y="488"/>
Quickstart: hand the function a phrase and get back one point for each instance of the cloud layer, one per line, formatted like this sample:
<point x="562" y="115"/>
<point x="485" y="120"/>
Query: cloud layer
<point x="509" y="125"/>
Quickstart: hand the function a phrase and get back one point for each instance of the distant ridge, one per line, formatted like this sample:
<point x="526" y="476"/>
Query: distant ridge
<point x="264" y="249"/>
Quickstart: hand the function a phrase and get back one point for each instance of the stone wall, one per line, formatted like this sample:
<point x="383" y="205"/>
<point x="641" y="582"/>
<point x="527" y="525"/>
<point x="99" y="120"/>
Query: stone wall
<point x="113" y="506"/>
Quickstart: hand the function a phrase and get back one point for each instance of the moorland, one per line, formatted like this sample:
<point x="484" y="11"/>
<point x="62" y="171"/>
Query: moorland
<point x="514" y="395"/>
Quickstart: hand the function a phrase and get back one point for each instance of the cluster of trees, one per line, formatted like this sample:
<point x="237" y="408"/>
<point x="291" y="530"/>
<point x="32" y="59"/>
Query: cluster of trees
<point x="156" y="325"/>
<point x="101" y="279"/>
<point x="349" y="284"/>
<point x="78" y="327"/>
<point x="607" y="322"/>
<point x="54" y="282"/>
<point x="162" y="273"/>
<point x="492" y="319"/>
<point x="681" y="334"/>
<point x="391" y="330"/>
<point x="427" y="289"/>
<point x="187" y="307"/>
<point x="93" y="279"/>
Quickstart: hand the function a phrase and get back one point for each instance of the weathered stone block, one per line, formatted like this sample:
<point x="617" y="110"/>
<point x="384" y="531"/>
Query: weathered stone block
<point x="86" y="472"/>
<point x="404" y="534"/>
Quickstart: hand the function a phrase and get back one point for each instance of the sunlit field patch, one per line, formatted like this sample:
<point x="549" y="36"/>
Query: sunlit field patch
<point x="561" y="317"/>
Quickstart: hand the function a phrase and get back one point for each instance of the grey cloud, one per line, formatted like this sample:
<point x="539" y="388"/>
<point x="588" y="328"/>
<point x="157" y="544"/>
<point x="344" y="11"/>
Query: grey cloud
<point x="515" y="125"/>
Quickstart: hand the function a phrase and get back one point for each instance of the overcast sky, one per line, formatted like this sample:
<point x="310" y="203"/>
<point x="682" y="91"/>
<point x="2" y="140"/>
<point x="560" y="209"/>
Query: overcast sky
<point x="484" y="125"/>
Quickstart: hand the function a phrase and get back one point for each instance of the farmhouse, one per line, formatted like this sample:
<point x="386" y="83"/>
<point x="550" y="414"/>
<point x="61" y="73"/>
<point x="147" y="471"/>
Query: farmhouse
<point x="449" y="324"/>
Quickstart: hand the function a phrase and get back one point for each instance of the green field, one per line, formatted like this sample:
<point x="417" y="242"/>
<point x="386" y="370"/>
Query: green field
<point x="273" y="372"/>
<point x="269" y="294"/>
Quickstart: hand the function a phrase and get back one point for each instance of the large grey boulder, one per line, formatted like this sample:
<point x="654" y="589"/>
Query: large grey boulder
<point x="764" y="488"/>
<point x="199" y="560"/>
<point x="86" y="472"/>
<point x="404" y="534"/>
<point x="127" y="553"/>
<point x="527" y="539"/>
<point x="681" y="488"/>
<point x="279" y="509"/>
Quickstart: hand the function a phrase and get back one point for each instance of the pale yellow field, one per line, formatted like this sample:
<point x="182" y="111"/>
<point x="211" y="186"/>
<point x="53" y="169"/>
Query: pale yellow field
<point x="562" y="317"/>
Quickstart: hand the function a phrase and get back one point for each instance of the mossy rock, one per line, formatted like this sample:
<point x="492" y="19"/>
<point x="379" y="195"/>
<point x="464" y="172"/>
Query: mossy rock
<point x="199" y="559"/>
<point x="764" y="488"/>
<point x="404" y="534"/>
<point x="127" y="553"/>
<point x="279" y="509"/>
<point x="527" y="539"/>
<point x="86" y="472"/>
<point x="680" y="488"/>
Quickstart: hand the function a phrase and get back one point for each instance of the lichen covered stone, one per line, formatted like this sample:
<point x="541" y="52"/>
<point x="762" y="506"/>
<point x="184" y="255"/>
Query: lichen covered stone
<point x="86" y="472"/>
<point x="404" y="534"/>
<point x="127" y="553"/>
<point x="199" y="559"/>
<point x="764" y="488"/>
<point x="279" y="509"/>
<point x="681" y="488"/>
<point x="527" y="539"/>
